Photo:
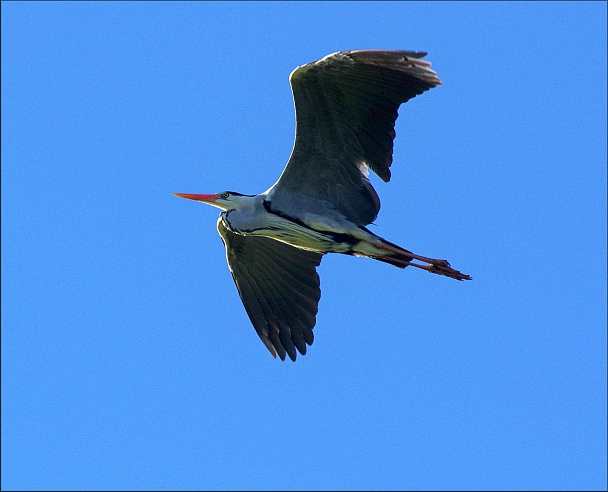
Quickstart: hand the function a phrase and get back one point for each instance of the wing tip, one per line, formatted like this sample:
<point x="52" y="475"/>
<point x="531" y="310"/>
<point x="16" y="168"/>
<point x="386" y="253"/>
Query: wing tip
<point x="282" y="346"/>
<point x="400" y="60"/>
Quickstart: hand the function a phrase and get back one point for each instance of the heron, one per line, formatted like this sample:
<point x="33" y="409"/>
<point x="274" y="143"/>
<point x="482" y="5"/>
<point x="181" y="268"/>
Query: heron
<point x="346" y="107"/>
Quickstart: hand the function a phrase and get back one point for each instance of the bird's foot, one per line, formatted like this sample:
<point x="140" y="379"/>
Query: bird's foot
<point x="440" y="267"/>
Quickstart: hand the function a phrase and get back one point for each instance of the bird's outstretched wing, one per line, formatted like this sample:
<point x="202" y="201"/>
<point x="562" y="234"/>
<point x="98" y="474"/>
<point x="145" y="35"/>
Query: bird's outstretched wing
<point x="279" y="287"/>
<point x="346" y="106"/>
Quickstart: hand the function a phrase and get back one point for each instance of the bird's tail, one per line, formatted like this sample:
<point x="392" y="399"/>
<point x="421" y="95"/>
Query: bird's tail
<point x="401" y="258"/>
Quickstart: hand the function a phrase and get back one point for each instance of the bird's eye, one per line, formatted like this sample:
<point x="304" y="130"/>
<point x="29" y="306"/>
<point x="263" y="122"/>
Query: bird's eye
<point x="225" y="195"/>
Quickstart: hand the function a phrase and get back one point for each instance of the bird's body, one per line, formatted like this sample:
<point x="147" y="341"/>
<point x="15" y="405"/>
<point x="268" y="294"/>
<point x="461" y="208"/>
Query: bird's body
<point x="346" y="106"/>
<point x="255" y="216"/>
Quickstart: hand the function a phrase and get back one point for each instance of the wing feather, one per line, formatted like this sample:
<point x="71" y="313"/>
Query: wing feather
<point x="279" y="287"/>
<point x="346" y="107"/>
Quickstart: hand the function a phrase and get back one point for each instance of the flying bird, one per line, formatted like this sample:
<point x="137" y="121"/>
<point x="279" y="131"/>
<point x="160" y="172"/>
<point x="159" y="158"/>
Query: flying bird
<point x="346" y="106"/>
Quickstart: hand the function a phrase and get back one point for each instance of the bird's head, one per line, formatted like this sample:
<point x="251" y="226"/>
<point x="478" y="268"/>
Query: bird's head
<point x="226" y="200"/>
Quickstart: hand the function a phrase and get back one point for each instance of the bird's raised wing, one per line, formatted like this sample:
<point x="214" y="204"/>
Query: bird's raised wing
<point x="346" y="106"/>
<point x="279" y="287"/>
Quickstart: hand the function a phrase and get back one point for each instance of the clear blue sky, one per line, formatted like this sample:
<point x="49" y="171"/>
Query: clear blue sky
<point x="128" y="361"/>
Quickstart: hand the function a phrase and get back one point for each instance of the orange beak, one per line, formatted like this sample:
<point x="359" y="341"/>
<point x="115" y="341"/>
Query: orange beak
<point x="199" y="198"/>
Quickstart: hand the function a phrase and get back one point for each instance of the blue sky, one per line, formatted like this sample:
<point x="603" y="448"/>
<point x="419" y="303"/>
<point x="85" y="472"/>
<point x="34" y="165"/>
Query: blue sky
<point x="128" y="361"/>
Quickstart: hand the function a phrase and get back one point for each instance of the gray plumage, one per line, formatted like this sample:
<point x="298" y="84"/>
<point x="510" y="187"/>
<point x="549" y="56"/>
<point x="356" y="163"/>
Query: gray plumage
<point x="346" y="106"/>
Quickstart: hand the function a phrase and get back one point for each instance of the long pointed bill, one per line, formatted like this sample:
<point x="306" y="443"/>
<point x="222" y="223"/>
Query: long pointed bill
<point x="211" y="199"/>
